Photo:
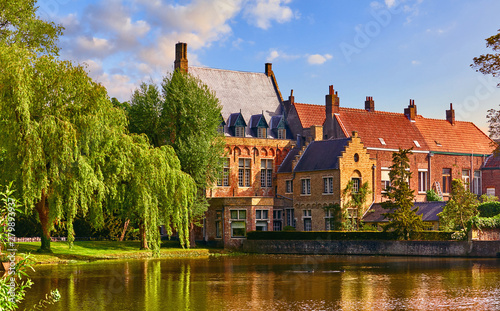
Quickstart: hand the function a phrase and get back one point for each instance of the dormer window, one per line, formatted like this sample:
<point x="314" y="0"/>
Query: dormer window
<point x="220" y="129"/>
<point x="281" y="133"/>
<point x="239" y="131"/>
<point x="278" y="127"/>
<point x="237" y="125"/>
<point x="259" y="126"/>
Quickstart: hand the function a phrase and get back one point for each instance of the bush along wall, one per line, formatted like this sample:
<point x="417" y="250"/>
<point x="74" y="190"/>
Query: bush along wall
<point x="343" y="235"/>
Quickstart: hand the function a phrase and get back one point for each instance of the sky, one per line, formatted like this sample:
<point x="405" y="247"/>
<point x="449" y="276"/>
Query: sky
<point x="392" y="50"/>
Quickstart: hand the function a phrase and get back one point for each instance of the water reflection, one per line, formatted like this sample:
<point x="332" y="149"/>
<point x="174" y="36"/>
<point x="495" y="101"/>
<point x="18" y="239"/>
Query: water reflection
<point x="274" y="283"/>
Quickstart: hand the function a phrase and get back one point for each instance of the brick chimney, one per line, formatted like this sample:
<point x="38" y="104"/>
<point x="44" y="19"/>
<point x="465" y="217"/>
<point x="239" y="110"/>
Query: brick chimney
<point x="411" y="111"/>
<point x="332" y="102"/>
<point x="181" y="61"/>
<point x="316" y="132"/>
<point x="450" y="115"/>
<point x="269" y="69"/>
<point x="289" y="103"/>
<point x="369" y="104"/>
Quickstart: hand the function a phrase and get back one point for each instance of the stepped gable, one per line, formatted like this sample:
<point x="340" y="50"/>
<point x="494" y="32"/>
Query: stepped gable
<point x="462" y="137"/>
<point x="252" y="93"/>
<point x="322" y="155"/>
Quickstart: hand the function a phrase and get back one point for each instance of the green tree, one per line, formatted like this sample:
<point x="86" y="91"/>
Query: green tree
<point x="20" y="25"/>
<point x="353" y="201"/>
<point x="403" y="218"/>
<point x="490" y="64"/>
<point x="431" y="195"/>
<point x="186" y="116"/>
<point x="461" y="207"/>
<point x="68" y="151"/>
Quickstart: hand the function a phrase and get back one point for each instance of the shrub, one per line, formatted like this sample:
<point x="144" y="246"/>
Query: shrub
<point x="489" y="209"/>
<point x="433" y="196"/>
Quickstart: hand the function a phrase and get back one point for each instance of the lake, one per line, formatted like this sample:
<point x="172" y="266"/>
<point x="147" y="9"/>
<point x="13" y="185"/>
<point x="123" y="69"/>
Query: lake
<point x="273" y="282"/>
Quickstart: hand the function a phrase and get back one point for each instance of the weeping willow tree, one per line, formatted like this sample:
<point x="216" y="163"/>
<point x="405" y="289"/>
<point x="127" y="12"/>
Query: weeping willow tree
<point x="68" y="151"/>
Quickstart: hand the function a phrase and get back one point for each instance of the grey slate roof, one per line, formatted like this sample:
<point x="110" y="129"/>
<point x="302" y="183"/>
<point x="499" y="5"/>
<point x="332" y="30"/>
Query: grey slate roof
<point x="322" y="155"/>
<point x="251" y="92"/>
<point x="286" y="165"/>
<point x="428" y="210"/>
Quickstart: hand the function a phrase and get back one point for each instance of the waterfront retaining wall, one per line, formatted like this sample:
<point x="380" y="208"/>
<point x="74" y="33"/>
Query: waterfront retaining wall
<point x="383" y="248"/>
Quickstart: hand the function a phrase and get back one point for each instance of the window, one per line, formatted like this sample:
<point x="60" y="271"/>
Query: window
<point x="239" y="131"/>
<point x="224" y="181"/>
<point x="244" y="173"/>
<point x="290" y="217"/>
<point x="422" y="181"/>
<point x="261" y="217"/>
<point x="281" y="133"/>
<point x="289" y="186"/>
<point x="476" y="183"/>
<point x="356" y="184"/>
<point x="356" y="157"/>
<point x="386" y="180"/>
<point x="352" y="215"/>
<point x="306" y="186"/>
<point x="382" y="141"/>
<point x="238" y="223"/>
<point x="266" y="172"/>
<point x="307" y="220"/>
<point x="466" y="178"/>
<point x="277" y="220"/>
<point x="446" y="180"/>
<point x="329" y="220"/>
<point x="328" y="185"/>
<point x="261" y="132"/>
<point x="218" y="224"/>
<point x="416" y="143"/>
<point x="490" y="192"/>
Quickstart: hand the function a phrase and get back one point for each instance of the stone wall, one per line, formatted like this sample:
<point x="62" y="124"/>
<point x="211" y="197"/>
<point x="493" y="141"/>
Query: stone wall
<point x="382" y="248"/>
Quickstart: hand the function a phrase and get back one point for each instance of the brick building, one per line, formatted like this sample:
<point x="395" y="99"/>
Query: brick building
<point x="257" y="140"/>
<point x="442" y="149"/>
<point x="312" y="178"/>
<point x="491" y="175"/>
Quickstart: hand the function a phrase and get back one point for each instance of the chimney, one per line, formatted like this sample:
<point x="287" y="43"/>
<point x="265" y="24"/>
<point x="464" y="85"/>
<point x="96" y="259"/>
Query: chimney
<point x="269" y="69"/>
<point x="369" y="104"/>
<point x="332" y="102"/>
<point x="316" y="132"/>
<point x="450" y="115"/>
<point x="289" y="103"/>
<point x="411" y="111"/>
<point x="181" y="61"/>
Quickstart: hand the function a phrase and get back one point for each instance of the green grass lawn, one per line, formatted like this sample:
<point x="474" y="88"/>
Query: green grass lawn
<point x="101" y="250"/>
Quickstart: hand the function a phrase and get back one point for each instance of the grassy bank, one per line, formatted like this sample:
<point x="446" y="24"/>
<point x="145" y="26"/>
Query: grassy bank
<point x="105" y="250"/>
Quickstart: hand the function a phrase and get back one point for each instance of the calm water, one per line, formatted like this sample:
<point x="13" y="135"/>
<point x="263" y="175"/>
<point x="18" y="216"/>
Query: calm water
<point x="274" y="283"/>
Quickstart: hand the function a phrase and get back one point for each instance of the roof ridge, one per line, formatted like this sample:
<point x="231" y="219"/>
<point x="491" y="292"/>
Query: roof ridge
<point x="229" y="70"/>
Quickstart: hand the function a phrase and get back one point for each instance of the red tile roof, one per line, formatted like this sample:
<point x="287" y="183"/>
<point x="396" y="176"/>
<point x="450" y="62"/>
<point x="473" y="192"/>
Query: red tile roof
<point x="394" y="128"/>
<point x="492" y="161"/>
<point x="399" y="132"/>
<point x="462" y="137"/>
<point x="310" y="114"/>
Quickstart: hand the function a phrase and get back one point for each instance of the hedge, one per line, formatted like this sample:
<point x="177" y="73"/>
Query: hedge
<point x="489" y="209"/>
<point x="343" y="235"/>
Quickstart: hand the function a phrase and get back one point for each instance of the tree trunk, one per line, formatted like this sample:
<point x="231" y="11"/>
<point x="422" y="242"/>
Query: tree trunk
<point x="192" y="243"/>
<point x="144" y="241"/>
<point x="124" y="229"/>
<point x="42" y="207"/>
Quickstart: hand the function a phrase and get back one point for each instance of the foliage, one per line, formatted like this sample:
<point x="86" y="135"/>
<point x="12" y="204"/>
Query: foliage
<point x="289" y="228"/>
<point x="461" y="207"/>
<point x="432" y="196"/>
<point x="490" y="64"/>
<point x="68" y="150"/>
<point x="353" y="200"/>
<point x="336" y="221"/>
<point x="14" y="284"/>
<point x="186" y="116"/>
<point x="19" y="24"/>
<point x="484" y="198"/>
<point x="485" y="222"/>
<point x="402" y="218"/>
<point x="489" y="209"/>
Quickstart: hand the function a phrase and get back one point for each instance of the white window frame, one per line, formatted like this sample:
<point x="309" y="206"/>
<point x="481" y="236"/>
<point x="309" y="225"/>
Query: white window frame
<point x="281" y="133"/>
<point x="239" y="131"/>
<point x="386" y="182"/>
<point x="423" y="183"/>
<point x="244" y="172"/>
<point x="306" y="186"/>
<point x="288" y="186"/>
<point x="328" y="185"/>
<point x="266" y="173"/>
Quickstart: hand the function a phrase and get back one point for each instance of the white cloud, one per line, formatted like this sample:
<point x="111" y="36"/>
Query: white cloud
<point x="96" y="47"/>
<point x="415" y="62"/>
<point x="272" y="55"/>
<point x="390" y="3"/>
<point x="317" y="59"/>
<point x="262" y="12"/>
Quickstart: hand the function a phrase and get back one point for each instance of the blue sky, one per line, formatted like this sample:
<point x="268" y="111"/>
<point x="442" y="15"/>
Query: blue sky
<point x="393" y="50"/>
